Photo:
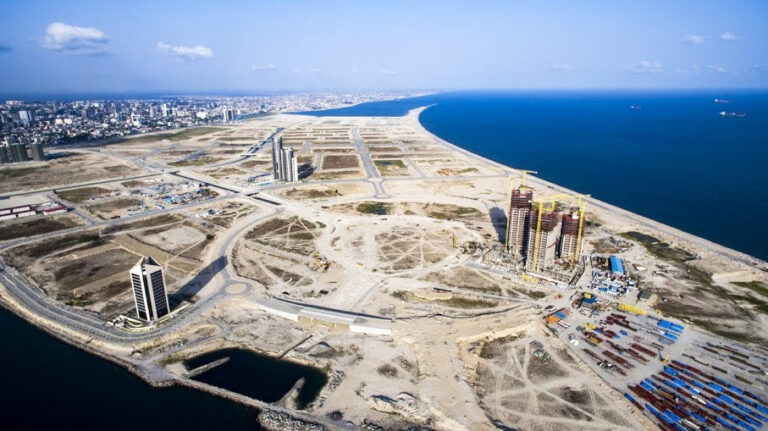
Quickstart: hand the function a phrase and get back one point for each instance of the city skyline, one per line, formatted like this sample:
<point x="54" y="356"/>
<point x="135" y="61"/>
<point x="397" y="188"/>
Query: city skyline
<point x="50" y="48"/>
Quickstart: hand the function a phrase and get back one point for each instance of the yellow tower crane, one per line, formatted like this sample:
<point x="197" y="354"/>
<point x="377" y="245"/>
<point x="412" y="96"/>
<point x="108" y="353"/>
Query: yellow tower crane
<point x="525" y="172"/>
<point x="581" y="206"/>
<point x="540" y="208"/>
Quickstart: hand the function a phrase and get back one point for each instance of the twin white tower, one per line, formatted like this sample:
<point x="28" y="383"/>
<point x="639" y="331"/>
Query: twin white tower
<point x="284" y="163"/>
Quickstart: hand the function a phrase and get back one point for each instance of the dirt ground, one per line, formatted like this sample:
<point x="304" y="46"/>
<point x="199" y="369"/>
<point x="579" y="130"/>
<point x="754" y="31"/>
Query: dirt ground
<point x="70" y="169"/>
<point x="36" y="225"/>
<point x="340" y="162"/>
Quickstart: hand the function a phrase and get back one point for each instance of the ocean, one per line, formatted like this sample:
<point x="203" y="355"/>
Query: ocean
<point x="671" y="158"/>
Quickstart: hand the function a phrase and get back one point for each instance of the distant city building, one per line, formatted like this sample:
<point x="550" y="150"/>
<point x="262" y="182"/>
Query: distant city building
<point x="25" y="117"/>
<point x="229" y="114"/>
<point x="517" y="220"/>
<point x="284" y="163"/>
<point x="4" y="155"/>
<point x="149" y="294"/>
<point x="18" y="153"/>
<point x="37" y="152"/>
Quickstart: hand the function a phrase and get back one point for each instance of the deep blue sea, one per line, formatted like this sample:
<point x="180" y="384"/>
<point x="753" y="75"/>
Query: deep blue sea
<point x="675" y="160"/>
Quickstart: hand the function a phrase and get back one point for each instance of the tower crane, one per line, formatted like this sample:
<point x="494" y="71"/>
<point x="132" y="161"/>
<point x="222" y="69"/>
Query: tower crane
<point x="580" y="204"/>
<point x="552" y="199"/>
<point x="523" y="176"/>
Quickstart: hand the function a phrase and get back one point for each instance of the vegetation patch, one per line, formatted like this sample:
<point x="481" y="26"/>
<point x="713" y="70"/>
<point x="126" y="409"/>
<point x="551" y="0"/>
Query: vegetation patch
<point x="450" y="212"/>
<point x="755" y="286"/>
<point x="199" y="161"/>
<point x="659" y="248"/>
<point x="38" y="225"/>
<point x="391" y="167"/>
<point x="387" y="370"/>
<point x="9" y="173"/>
<point x="172" y="136"/>
<point x="83" y="194"/>
<point x="377" y="208"/>
<point x="461" y="302"/>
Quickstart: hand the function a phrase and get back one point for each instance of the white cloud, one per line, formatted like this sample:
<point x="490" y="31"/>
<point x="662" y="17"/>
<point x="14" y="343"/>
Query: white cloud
<point x="561" y="67"/>
<point x="315" y="71"/>
<point x="694" y="39"/>
<point x="185" y="52"/>
<point x="762" y="68"/>
<point x="644" y="67"/>
<point x="262" y="67"/>
<point x="692" y="69"/>
<point x="388" y="72"/>
<point x="728" y="36"/>
<point x="717" y="68"/>
<point x="355" y="70"/>
<point x="74" y="40"/>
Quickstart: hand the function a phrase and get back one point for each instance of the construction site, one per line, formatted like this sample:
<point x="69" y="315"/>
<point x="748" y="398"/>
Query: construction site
<point x="395" y="281"/>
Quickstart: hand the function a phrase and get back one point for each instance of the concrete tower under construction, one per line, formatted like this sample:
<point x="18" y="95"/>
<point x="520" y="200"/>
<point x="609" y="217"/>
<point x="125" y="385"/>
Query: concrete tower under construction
<point x="541" y="248"/>
<point x="517" y="220"/>
<point x="572" y="234"/>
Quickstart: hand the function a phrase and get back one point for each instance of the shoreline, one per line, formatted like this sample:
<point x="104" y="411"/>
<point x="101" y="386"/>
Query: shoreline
<point x="639" y="218"/>
<point x="110" y="350"/>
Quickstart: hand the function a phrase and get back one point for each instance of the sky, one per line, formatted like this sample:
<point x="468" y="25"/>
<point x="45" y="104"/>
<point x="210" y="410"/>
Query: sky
<point x="83" y="46"/>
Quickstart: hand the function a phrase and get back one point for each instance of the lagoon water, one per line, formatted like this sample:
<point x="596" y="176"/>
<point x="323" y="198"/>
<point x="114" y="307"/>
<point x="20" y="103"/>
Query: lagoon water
<point x="673" y="158"/>
<point x="46" y="384"/>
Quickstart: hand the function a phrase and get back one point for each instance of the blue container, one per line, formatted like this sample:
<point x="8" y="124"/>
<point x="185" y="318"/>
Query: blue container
<point x="699" y="418"/>
<point x="670" y="335"/>
<point x="715" y="387"/>
<point x="664" y="324"/>
<point x="669" y="370"/>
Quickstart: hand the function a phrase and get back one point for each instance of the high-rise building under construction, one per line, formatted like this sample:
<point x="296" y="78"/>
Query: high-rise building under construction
<point x="541" y="244"/>
<point x="573" y="225"/>
<point x="517" y="220"/>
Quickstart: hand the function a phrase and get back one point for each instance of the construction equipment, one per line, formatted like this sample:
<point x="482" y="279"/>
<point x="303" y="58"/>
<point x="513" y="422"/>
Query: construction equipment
<point x="632" y="309"/>
<point x="540" y="208"/>
<point x="581" y="206"/>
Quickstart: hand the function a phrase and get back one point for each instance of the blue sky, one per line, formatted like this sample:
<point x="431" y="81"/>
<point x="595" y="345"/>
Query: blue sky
<point x="146" y="46"/>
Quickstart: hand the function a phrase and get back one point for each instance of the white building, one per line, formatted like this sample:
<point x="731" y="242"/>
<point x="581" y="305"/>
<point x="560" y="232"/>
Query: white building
<point x="285" y="166"/>
<point x="149" y="292"/>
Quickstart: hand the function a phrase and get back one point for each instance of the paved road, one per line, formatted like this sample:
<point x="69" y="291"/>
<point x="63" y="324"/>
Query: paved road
<point x="371" y="173"/>
<point x="36" y="301"/>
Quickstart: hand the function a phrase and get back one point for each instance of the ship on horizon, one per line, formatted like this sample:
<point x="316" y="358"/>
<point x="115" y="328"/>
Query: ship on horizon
<point x="722" y="101"/>
<point x="732" y="114"/>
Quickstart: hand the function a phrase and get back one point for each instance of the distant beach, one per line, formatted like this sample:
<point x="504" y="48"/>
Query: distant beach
<point x="667" y="155"/>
